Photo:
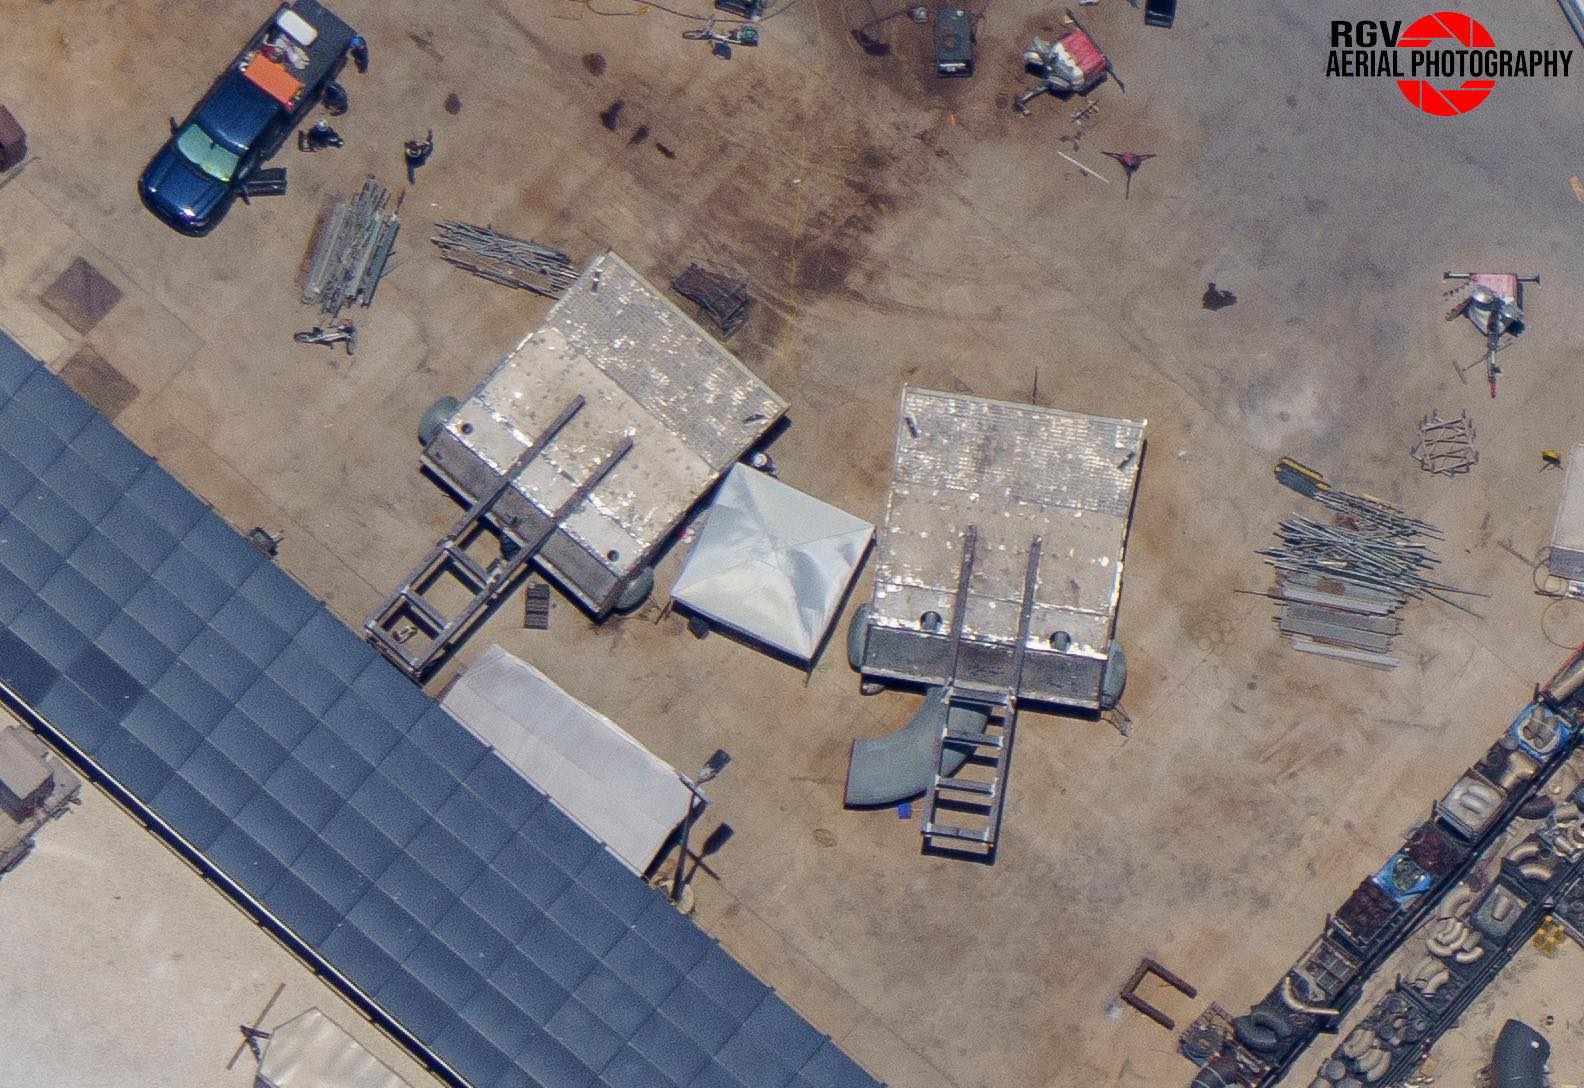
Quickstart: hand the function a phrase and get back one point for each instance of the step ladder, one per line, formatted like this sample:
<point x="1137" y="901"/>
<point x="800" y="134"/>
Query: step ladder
<point x="536" y="607"/>
<point x="410" y="615"/>
<point x="963" y="809"/>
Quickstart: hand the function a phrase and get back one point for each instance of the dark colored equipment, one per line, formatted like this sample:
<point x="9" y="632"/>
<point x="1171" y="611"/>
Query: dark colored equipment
<point x="745" y="9"/>
<point x="271" y="182"/>
<point x="1131" y="998"/>
<point x="417" y="153"/>
<point x="1519" y="1060"/>
<point x="954" y="42"/>
<point x="1131" y="161"/>
<point x="245" y="116"/>
<point x="336" y="101"/>
<point x="725" y="299"/>
<point x="696" y="805"/>
<point x="1161" y="13"/>
<point x="13" y="141"/>
<point x="319" y="137"/>
<point x="342" y="333"/>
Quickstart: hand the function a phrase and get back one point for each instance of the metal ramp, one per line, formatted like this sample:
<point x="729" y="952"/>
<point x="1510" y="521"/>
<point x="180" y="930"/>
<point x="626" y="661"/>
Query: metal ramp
<point x="973" y="798"/>
<point x="412" y="629"/>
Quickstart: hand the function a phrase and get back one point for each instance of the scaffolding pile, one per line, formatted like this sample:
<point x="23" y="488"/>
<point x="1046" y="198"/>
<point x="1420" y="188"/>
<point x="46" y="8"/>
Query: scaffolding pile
<point x="724" y="299"/>
<point x="1342" y="584"/>
<point x="505" y="259"/>
<point x="352" y="250"/>
<point x="1445" y="446"/>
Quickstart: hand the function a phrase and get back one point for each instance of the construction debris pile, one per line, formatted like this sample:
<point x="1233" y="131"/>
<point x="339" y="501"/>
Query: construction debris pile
<point x="1445" y="446"/>
<point x="352" y="250"/>
<point x="724" y="299"/>
<point x="1342" y="584"/>
<point x="505" y="258"/>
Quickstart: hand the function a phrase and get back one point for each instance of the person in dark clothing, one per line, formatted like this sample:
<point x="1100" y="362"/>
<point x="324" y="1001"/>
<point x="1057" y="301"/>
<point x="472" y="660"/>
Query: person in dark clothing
<point x="335" y="100"/>
<point x="359" y="50"/>
<point x="319" y="137"/>
<point x="417" y="153"/>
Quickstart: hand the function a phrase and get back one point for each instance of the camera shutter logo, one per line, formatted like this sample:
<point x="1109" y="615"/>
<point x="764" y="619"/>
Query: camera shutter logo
<point x="1446" y="30"/>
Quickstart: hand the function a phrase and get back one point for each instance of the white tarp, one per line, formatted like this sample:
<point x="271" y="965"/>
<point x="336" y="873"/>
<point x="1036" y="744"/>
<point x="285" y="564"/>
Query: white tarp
<point x="311" y="1051"/>
<point x="619" y="791"/>
<point x="772" y="562"/>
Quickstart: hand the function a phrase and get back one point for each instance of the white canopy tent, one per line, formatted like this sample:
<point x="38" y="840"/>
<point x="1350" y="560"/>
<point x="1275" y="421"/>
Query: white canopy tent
<point x="619" y="791"/>
<point x="312" y="1051"/>
<point x="772" y="562"/>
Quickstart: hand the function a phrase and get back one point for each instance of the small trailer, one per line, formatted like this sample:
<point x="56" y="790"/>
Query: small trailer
<point x="581" y="452"/>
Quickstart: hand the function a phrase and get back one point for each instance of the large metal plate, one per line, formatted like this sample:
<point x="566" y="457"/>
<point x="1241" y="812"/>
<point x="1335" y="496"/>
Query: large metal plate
<point x="1016" y="472"/>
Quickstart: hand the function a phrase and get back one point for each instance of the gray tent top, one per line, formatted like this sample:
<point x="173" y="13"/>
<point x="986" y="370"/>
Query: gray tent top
<point x="772" y="562"/>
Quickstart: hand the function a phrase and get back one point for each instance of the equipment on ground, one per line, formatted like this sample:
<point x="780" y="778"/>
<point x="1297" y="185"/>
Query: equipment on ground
<point x="955" y="35"/>
<point x="343" y="332"/>
<point x="1494" y="305"/>
<point x="1131" y="161"/>
<point x="13" y="142"/>
<point x="1519" y="1060"/>
<point x="1071" y="64"/>
<point x="318" y="137"/>
<point x="34" y="789"/>
<point x="1161" y="13"/>
<point x="742" y="35"/>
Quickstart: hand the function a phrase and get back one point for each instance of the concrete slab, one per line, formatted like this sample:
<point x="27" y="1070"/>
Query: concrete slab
<point x="898" y="230"/>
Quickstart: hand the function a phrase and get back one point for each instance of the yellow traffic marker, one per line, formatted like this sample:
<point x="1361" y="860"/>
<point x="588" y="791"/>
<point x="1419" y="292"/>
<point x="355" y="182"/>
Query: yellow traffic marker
<point x="1551" y="457"/>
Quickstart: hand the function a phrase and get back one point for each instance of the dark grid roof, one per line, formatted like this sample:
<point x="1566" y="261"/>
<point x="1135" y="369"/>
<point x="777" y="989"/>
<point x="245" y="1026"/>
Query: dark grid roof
<point x="211" y="689"/>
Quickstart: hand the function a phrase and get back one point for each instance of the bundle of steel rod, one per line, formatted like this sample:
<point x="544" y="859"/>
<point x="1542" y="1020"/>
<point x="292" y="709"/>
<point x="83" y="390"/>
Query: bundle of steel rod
<point x="505" y="259"/>
<point x="352" y="250"/>
<point x="724" y="299"/>
<point x="1340" y="584"/>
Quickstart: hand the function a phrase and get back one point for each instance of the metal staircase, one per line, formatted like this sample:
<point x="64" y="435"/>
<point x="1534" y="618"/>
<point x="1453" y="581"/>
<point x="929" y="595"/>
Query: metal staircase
<point x="973" y="797"/>
<point x="410" y="614"/>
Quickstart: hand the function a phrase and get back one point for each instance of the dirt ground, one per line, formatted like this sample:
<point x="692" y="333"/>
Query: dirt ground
<point x="897" y="229"/>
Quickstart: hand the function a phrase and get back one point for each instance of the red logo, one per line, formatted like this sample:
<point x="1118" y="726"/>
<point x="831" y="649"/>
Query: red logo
<point x="1439" y="31"/>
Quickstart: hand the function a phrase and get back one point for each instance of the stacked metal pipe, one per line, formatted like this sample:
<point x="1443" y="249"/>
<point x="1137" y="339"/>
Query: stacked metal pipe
<point x="1340" y="584"/>
<point x="505" y="258"/>
<point x="352" y="250"/>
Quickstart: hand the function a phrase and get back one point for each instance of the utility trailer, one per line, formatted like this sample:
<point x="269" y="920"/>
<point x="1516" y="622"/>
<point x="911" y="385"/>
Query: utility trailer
<point x="997" y="578"/>
<point x="581" y="452"/>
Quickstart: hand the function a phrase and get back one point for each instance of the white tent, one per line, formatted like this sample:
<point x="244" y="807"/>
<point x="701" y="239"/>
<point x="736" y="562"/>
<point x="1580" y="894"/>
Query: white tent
<point x="772" y="562"/>
<point x="312" y="1051"/>
<point x="619" y="791"/>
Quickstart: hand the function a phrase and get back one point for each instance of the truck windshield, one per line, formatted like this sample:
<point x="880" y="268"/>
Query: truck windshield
<point x="208" y="156"/>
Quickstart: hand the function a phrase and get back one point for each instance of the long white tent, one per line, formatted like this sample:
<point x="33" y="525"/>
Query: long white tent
<point x="619" y="791"/>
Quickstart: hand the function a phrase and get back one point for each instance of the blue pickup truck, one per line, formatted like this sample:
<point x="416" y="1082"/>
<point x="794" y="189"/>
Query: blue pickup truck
<point x="245" y="116"/>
